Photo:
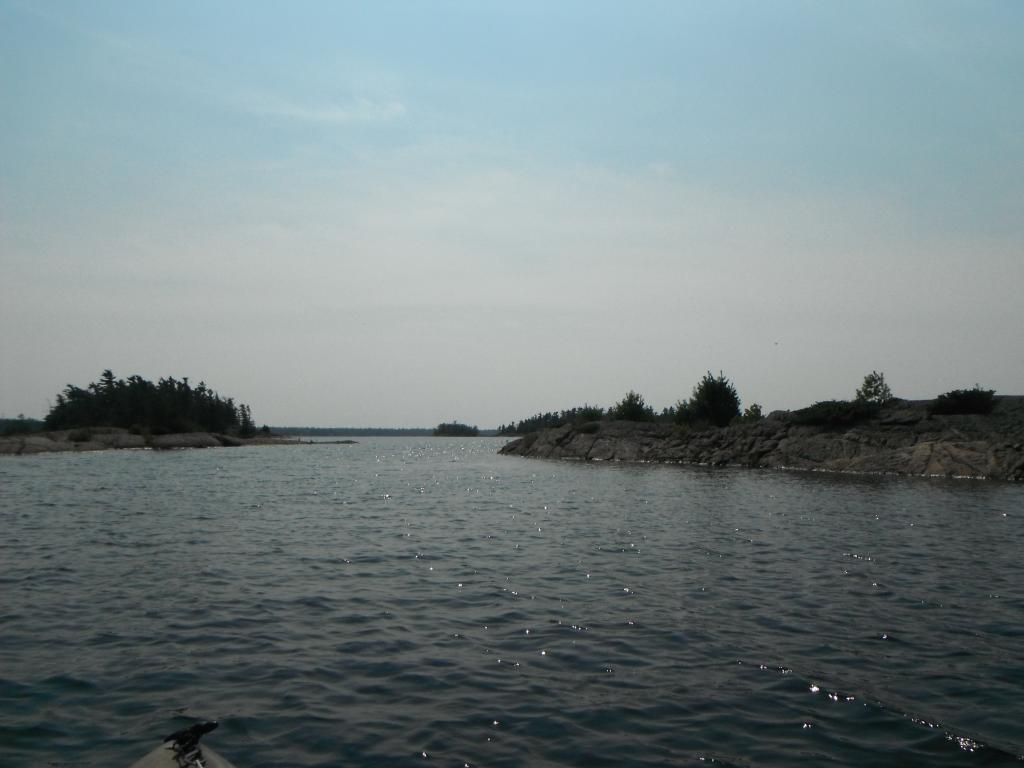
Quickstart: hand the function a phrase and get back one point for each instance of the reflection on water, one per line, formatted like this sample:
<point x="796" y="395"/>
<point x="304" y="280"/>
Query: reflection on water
<point x="370" y="604"/>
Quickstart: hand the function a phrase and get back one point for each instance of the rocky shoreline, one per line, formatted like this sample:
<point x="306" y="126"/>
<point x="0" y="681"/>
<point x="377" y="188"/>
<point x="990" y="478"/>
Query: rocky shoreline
<point x="902" y="439"/>
<point x="111" y="438"/>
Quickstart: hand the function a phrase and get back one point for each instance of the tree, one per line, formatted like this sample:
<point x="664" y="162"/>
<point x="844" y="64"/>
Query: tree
<point x="246" y="426"/>
<point x="714" y="401"/>
<point x="632" y="408"/>
<point x="874" y="390"/>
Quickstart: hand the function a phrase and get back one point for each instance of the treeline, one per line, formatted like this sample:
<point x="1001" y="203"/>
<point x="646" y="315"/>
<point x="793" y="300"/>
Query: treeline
<point x="455" y="429"/>
<point x="579" y="415"/>
<point x="139" y="405"/>
<point x="715" y="403"/>
<point x="19" y="426"/>
<point x="874" y="394"/>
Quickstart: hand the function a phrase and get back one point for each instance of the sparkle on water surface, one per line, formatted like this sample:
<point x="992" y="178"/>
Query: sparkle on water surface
<point x="403" y="600"/>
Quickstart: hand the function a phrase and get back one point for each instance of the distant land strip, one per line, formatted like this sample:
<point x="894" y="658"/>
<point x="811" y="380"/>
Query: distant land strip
<point x="365" y="431"/>
<point x="352" y="431"/>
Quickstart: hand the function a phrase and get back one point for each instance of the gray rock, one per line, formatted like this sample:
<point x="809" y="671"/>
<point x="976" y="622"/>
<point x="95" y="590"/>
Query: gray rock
<point x="185" y="440"/>
<point x="901" y="441"/>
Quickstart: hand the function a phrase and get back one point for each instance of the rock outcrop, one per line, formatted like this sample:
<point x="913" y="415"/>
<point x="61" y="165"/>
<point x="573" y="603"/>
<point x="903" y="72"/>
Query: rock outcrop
<point x="107" y="438"/>
<point x="902" y="440"/>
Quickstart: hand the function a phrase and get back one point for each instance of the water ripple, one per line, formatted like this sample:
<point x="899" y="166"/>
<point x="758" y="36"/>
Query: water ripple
<point x="427" y="602"/>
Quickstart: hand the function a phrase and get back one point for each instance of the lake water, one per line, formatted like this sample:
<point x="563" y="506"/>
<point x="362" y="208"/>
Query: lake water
<point x="423" y="601"/>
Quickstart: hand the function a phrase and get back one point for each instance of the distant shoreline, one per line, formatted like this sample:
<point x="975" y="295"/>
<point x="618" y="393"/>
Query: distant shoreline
<point x="352" y="431"/>
<point x="114" y="438"/>
<point x="365" y="431"/>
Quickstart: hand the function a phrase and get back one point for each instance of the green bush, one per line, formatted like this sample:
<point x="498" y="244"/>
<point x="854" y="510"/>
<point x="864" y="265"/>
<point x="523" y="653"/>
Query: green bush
<point x="632" y="408"/>
<point x="835" y="414"/>
<point x="587" y="413"/>
<point x="80" y="436"/>
<point x="874" y="390"/>
<point x="752" y="414"/>
<point x="964" y="401"/>
<point x="714" y="401"/>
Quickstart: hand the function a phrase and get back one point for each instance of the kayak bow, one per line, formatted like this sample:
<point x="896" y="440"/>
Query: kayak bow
<point x="181" y="750"/>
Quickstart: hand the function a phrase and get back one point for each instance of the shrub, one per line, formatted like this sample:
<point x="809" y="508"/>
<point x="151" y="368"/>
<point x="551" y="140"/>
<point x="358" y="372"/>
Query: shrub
<point x="714" y="401"/>
<point x="835" y="414"/>
<point x="682" y="413"/>
<point x="632" y="408"/>
<point x="753" y="413"/>
<point x="874" y="390"/>
<point x="964" y="401"/>
<point x="587" y="413"/>
<point x="667" y="415"/>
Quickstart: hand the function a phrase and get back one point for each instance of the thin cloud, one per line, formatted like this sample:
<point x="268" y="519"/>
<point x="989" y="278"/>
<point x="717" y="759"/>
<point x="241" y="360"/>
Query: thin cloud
<point x="358" y="110"/>
<point x="147" y="57"/>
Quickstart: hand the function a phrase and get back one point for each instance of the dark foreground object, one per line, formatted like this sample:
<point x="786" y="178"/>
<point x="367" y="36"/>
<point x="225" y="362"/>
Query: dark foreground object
<point x="902" y="439"/>
<point x="181" y="750"/>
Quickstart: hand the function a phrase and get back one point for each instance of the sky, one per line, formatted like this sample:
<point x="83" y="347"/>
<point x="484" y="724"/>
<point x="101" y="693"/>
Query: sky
<point x="402" y="213"/>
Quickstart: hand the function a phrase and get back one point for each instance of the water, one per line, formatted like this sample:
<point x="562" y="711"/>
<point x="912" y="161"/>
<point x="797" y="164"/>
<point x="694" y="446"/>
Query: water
<point x="417" y="601"/>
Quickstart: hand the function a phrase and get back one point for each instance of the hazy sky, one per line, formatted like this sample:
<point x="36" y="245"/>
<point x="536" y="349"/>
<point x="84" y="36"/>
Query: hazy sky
<point x="402" y="213"/>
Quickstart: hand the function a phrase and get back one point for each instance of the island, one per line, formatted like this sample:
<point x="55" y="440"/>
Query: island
<point x="963" y="434"/>
<point x="114" y="413"/>
<point x="455" y="429"/>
